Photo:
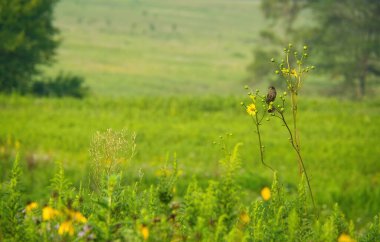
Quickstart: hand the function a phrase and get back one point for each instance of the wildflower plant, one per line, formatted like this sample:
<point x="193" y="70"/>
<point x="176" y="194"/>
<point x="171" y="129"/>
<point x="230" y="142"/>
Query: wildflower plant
<point x="134" y="212"/>
<point x="110" y="152"/>
<point x="60" y="186"/>
<point x="11" y="204"/>
<point x="118" y="209"/>
<point x="293" y="71"/>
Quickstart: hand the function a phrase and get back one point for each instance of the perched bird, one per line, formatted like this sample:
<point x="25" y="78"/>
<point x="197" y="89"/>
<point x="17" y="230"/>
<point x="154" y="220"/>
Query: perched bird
<point x="271" y="96"/>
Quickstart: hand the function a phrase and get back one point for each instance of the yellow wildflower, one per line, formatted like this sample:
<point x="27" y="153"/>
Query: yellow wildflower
<point x="31" y="206"/>
<point x="66" y="228"/>
<point x="345" y="238"/>
<point x="251" y="109"/>
<point x="244" y="218"/>
<point x="77" y="216"/>
<point x="49" y="213"/>
<point x="265" y="193"/>
<point x="294" y="73"/>
<point x="144" y="231"/>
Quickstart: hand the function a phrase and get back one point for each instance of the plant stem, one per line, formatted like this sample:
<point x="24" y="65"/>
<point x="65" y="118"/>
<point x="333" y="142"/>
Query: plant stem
<point x="296" y="137"/>
<point x="300" y="160"/>
<point x="257" y="123"/>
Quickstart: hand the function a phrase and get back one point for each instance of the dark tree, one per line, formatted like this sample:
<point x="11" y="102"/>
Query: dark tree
<point x="347" y="40"/>
<point x="28" y="39"/>
<point x="345" y="35"/>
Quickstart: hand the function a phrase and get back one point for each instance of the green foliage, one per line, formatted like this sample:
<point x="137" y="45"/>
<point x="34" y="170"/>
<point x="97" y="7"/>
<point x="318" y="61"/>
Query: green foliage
<point x="111" y="44"/>
<point x="355" y="57"/>
<point x="60" y="129"/>
<point x="60" y="86"/>
<point x="27" y="39"/>
<point x="292" y="69"/>
<point x="118" y="211"/>
<point x="280" y="218"/>
<point x="108" y="219"/>
<point x="167" y="181"/>
<point x="11" y="206"/>
<point x="228" y="195"/>
<point x="61" y="187"/>
<point x="282" y="16"/>
<point x="373" y="233"/>
<point x="259" y="69"/>
<point x="352" y="62"/>
<point x="130" y="211"/>
<point x="110" y="152"/>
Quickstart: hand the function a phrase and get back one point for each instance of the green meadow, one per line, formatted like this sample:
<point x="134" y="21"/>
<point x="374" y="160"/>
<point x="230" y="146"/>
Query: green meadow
<point x="339" y="140"/>
<point x="133" y="48"/>
<point x="173" y="73"/>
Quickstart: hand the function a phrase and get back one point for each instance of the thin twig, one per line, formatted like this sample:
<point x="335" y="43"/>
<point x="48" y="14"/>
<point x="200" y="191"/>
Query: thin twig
<point x="257" y="123"/>
<point x="300" y="160"/>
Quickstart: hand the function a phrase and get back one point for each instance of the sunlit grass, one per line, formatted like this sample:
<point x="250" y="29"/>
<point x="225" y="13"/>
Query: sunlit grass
<point x="204" y="45"/>
<point x="340" y="154"/>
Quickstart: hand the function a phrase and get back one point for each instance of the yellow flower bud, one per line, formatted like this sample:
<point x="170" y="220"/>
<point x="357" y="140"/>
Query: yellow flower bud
<point x="265" y="193"/>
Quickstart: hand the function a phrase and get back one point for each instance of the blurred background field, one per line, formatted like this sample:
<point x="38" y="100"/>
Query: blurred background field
<point x="132" y="48"/>
<point x="173" y="72"/>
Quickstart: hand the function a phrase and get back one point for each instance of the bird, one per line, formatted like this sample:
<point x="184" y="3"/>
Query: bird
<point x="271" y="96"/>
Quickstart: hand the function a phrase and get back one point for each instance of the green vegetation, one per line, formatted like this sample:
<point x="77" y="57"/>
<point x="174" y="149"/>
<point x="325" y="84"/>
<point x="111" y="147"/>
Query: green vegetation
<point x="338" y="142"/>
<point x="60" y="86"/>
<point x="195" y="48"/>
<point x="27" y="39"/>
<point x="293" y="70"/>
<point x="345" y="41"/>
<point x="134" y="212"/>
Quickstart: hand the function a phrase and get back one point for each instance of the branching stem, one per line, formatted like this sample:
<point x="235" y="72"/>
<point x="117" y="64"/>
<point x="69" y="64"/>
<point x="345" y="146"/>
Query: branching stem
<point x="296" y="137"/>
<point x="257" y="123"/>
<point x="300" y="160"/>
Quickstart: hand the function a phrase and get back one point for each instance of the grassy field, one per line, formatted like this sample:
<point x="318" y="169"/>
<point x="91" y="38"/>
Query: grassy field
<point x="172" y="71"/>
<point x="131" y="48"/>
<point x="339" y="140"/>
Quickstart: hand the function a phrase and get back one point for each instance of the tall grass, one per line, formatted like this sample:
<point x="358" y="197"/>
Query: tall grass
<point x="341" y="154"/>
<point x="128" y="210"/>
